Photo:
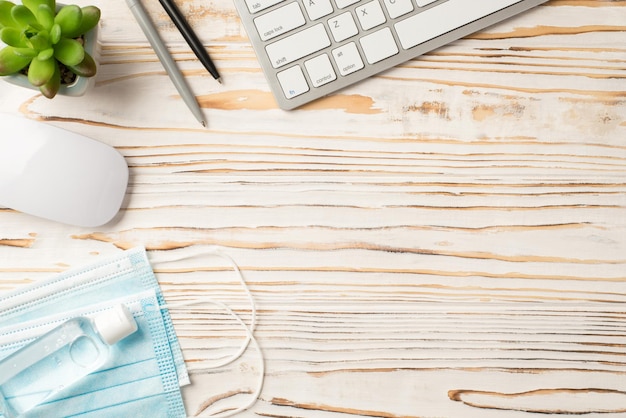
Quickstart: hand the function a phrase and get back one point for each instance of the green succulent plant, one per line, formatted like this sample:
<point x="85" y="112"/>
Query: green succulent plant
<point x="43" y="39"/>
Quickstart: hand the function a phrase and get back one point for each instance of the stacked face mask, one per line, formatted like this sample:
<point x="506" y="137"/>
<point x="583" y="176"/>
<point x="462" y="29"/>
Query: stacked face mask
<point x="146" y="370"/>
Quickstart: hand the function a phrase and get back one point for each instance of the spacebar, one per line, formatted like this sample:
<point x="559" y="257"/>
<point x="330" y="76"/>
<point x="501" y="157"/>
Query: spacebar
<point x="443" y="18"/>
<point x="296" y="46"/>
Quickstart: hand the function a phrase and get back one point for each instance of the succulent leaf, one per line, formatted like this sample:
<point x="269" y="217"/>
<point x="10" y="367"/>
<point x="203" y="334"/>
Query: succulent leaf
<point x="69" y="19"/>
<point x="11" y="61"/>
<point x="91" y="17"/>
<point x="46" y="54"/>
<point x="87" y="68"/>
<point x="39" y="42"/>
<point x="33" y="5"/>
<point x="55" y="34"/>
<point x="45" y="16"/>
<point x="6" y="19"/>
<point x="69" y="51"/>
<point x="26" y="52"/>
<point x="12" y="36"/>
<point x="24" y="17"/>
<point x="40" y="72"/>
<point x="51" y="88"/>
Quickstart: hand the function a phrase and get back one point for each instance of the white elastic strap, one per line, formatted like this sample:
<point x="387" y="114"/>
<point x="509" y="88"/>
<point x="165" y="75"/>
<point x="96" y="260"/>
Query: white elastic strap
<point x="250" y="339"/>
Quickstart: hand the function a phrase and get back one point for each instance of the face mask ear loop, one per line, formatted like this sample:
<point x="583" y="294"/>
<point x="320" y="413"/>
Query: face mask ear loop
<point x="244" y="285"/>
<point x="250" y="339"/>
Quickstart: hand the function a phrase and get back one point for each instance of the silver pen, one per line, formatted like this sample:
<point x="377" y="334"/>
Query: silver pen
<point x="166" y="59"/>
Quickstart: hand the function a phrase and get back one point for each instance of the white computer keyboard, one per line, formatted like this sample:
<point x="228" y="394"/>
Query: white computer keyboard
<point x="311" y="48"/>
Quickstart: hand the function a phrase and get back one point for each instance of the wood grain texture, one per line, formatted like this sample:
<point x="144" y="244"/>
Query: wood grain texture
<point x="446" y="239"/>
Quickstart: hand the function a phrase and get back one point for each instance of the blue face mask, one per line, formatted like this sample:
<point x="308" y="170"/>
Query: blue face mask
<point x="147" y="367"/>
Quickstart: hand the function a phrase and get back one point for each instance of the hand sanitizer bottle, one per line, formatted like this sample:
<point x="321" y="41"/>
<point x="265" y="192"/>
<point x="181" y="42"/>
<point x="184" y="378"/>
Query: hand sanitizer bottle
<point x="36" y="373"/>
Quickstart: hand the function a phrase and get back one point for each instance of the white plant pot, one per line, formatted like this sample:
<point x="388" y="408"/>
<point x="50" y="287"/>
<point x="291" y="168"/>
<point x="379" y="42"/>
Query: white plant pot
<point x="82" y="84"/>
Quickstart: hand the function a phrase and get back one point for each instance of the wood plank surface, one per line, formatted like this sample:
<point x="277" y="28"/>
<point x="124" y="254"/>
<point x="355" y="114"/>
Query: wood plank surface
<point x="446" y="239"/>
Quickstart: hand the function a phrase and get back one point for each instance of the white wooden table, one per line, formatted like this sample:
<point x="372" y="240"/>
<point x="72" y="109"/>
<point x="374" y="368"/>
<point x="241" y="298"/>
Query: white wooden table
<point x="447" y="239"/>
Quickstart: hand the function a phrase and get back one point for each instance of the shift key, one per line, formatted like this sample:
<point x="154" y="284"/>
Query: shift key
<point x="297" y="46"/>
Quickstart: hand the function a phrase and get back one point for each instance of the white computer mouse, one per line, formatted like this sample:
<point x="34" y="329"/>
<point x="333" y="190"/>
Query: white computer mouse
<point x="59" y="175"/>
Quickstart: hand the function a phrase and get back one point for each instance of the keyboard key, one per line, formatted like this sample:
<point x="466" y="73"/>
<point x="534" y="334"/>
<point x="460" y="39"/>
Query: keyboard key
<point x="342" y="27"/>
<point x="293" y="82"/>
<point x="342" y="4"/>
<point x="422" y="3"/>
<point x="443" y="18"/>
<point x="379" y="45"/>
<point x="255" y="6"/>
<point x="370" y="15"/>
<point x="279" y="21"/>
<point x="320" y="70"/>
<point x="317" y="8"/>
<point x="397" y="8"/>
<point x="298" y="45"/>
<point x="348" y="59"/>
